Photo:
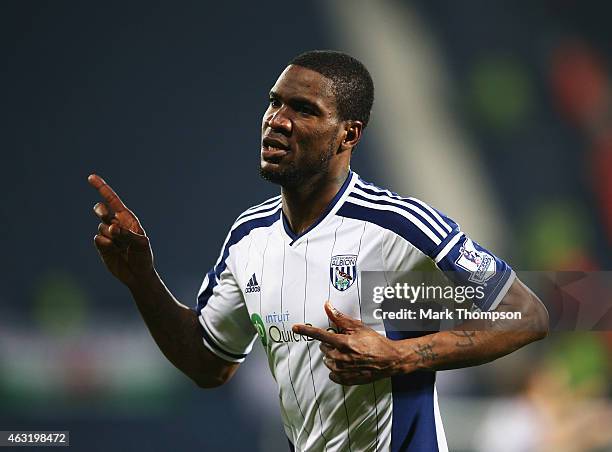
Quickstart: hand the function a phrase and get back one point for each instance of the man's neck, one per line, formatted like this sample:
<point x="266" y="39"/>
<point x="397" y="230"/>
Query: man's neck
<point x="305" y="204"/>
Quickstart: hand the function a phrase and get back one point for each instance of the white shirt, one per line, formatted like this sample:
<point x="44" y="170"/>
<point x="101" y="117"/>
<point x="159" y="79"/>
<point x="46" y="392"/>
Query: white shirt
<point x="267" y="278"/>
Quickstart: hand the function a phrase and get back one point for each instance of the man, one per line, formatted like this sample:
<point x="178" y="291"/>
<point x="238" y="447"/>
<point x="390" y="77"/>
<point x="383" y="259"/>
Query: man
<point x="363" y="388"/>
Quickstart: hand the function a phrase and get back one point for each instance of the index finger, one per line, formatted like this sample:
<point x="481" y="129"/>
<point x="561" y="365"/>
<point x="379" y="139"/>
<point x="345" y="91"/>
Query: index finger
<point x="107" y="193"/>
<point x="319" y="334"/>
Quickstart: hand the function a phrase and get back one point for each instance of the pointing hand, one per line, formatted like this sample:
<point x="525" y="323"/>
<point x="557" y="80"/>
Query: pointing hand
<point x="121" y="240"/>
<point x="357" y="354"/>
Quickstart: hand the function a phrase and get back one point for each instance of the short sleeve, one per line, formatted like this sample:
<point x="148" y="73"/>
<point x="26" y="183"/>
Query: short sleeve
<point x="226" y="328"/>
<point x="466" y="262"/>
<point x="420" y="234"/>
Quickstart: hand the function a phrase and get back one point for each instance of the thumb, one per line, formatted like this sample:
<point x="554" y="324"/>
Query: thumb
<point x="128" y="237"/>
<point x="341" y="320"/>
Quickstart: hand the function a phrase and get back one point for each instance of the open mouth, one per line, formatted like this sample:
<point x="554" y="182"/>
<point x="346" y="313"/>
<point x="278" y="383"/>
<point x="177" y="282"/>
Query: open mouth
<point x="272" y="150"/>
<point x="272" y="154"/>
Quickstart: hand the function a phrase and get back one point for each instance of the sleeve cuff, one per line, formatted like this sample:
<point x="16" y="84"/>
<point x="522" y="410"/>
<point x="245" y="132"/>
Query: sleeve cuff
<point x="215" y="347"/>
<point x="502" y="291"/>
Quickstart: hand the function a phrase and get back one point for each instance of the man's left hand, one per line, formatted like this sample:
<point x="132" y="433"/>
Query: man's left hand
<point x="357" y="354"/>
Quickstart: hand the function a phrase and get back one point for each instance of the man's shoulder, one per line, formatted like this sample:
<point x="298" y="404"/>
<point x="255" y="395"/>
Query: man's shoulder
<point x="260" y="214"/>
<point x="380" y="192"/>
<point x="408" y="217"/>
<point x="375" y="197"/>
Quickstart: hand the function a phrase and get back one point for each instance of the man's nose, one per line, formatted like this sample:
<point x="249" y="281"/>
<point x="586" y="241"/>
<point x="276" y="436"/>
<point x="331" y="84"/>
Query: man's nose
<point x="278" y="120"/>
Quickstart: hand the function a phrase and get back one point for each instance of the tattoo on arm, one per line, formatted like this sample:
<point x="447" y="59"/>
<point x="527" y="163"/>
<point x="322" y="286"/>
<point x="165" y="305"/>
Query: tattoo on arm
<point x="466" y="338"/>
<point x="425" y="354"/>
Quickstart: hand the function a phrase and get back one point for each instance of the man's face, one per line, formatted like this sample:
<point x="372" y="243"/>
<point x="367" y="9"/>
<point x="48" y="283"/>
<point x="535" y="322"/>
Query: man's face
<point x="300" y="130"/>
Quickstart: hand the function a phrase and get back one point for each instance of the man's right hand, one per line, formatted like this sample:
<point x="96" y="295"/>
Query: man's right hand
<point x="121" y="240"/>
<point x="124" y="248"/>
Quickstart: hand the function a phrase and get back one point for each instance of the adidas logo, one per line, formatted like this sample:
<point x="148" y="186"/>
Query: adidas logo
<point x="252" y="285"/>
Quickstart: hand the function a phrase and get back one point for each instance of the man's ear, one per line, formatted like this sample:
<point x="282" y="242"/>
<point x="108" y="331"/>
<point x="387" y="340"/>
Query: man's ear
<point x="353" y="130"/>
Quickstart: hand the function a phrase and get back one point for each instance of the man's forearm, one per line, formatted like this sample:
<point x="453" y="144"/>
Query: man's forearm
<point x="486" y="342"/>
<point x="126" y="251"/>
<point x="175" y="329"/>
<point x="456" y="349"/>
<point x="358" y="355"/>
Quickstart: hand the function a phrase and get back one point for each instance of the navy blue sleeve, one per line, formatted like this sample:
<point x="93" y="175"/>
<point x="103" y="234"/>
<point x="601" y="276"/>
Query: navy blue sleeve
<point x="466" y="262"/>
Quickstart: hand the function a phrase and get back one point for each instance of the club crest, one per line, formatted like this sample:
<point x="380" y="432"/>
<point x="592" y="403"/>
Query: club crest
<point x="343" y="271"/>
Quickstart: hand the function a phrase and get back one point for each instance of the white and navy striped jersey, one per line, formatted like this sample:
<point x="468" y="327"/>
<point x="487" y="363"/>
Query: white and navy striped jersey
<point x="267" y="278"/>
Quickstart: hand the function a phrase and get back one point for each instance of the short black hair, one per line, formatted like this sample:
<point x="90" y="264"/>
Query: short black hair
<point x="352" y="84"/>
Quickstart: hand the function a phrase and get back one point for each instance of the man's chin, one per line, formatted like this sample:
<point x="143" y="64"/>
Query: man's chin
<point x="285" y="177"/>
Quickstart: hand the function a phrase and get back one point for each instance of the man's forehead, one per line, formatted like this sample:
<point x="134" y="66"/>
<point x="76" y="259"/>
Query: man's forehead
<point x="298" y="80"/>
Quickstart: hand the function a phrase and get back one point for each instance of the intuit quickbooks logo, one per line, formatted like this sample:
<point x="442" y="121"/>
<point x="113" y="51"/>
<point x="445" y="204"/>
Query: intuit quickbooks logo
<point x="261" y="329"/>
<point x="276" y="329"/>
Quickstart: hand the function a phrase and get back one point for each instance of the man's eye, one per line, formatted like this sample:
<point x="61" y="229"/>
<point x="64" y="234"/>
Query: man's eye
<point x="274" y="102"/>
<point x="306" y="110"/>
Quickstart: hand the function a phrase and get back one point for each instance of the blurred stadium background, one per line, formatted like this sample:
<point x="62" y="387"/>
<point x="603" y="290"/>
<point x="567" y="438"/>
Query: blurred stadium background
<point x="498" y="113"/>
